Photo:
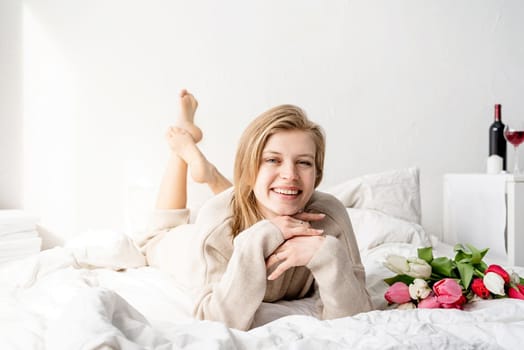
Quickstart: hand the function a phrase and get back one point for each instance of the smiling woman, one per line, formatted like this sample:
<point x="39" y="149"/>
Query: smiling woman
<point x="271" y="237"/>
<point x="276" y="147"/>
<point x="286" y="176"/>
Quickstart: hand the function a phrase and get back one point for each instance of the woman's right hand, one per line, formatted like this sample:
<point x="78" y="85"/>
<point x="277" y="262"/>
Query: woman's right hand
<point x="298" y="224"/>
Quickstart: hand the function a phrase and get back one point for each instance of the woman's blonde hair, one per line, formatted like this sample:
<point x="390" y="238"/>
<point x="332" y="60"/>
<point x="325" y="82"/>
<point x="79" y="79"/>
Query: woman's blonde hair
<point x="249" y="154"/>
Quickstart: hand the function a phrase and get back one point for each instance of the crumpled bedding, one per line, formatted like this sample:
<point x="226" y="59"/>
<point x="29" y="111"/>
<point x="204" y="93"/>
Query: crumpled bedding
<point x="50" y="301"/>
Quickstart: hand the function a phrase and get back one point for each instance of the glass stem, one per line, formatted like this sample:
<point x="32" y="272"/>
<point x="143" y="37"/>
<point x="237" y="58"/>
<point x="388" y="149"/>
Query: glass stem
<point x="516" y="170"/>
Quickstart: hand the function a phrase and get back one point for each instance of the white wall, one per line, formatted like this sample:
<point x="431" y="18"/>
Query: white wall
<point x="10" y="104"/>
<point x="394" y="83"/>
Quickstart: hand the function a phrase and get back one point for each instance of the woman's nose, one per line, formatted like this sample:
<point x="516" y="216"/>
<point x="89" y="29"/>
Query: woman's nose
<point x="288" y="172"/>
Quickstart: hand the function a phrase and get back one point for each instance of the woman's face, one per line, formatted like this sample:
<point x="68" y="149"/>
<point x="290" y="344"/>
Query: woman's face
<point x="287" y="173"/>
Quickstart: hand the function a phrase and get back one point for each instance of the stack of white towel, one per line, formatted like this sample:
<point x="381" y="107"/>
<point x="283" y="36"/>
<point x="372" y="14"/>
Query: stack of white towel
<point x="18" y="235"/>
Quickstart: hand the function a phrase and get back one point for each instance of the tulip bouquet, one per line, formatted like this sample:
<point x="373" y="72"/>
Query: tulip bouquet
<point x="428" y="282"/>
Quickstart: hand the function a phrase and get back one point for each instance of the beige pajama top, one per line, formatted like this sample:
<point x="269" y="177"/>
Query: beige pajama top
<point x="228" y="277"/>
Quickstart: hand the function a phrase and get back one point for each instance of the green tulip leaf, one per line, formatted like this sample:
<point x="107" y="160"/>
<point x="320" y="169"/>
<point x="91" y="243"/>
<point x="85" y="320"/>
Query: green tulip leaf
<point x="475" y="254"/>
<point x="459" y="248"/>
<point x="462" y="253"/>
<point x="483" y="252"/>
<point x="425" y="254"/>
<point x="434" y="278"/>
<point x="443" y="266"/>
<point x="466" y="273"/>
<point x="461" y="256"/>
<point x="464" y="260"/>
<point x="399" y="278"/>
<point x="481" y="266"/>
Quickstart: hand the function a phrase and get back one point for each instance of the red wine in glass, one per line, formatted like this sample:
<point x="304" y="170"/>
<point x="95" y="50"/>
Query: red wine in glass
<point x="515" y="137"/>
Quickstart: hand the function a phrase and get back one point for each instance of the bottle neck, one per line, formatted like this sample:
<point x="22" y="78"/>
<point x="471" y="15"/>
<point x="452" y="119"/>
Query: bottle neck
<point x="498" y="112"/>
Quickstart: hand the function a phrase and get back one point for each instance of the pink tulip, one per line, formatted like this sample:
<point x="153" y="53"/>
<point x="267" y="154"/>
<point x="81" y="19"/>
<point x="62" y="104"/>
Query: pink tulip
<point x="499" y="271"/>
<point x="431" y="302"/>
<point x="397" y="293"/>
<point x="516" y="292"/>
<point x="447" y="290"/>
<point x="459" y="304"/>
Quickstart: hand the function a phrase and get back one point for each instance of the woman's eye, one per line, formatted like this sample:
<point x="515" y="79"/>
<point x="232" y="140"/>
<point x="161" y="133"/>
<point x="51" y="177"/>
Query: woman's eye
<point x="305" y="163"/>
<point x="271" y="160"/>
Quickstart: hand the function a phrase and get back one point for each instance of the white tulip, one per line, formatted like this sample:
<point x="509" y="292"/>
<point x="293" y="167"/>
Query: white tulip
<point x="419" y="289"/>
<point x="397" y="263"/>
<point x="406" y="306"/>
<point x="514" y="278"/>
<point x="418" y="268"/>
<point x="414" y="267"/>
<point x="494" y="283"/>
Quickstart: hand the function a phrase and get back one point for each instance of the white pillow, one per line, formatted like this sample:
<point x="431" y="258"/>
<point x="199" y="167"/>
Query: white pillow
<point x="373" y="228"/>
<point x="395" y="193"/>
<point x="105" y="248"/>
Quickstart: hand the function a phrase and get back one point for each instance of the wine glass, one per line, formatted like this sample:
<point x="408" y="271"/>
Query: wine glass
<point x="515" y="136"/>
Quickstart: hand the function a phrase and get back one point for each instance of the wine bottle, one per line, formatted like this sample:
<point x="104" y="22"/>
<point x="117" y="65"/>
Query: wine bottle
<point x="497" y="142"/>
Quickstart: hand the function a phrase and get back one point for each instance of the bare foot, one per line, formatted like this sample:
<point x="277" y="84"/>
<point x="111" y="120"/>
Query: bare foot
<point x="185" y="120"/>
<point x="183" y="144"/>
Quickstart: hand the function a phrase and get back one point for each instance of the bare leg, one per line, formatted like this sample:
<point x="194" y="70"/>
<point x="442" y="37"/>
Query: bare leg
<point x="185" y="120"/>
<point x="173" y="188"/>
<point x="182" y="141"/>
<point x="202" y="171"/>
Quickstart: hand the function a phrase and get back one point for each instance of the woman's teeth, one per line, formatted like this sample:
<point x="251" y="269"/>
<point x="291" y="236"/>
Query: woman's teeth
<point x="284" y="191"/>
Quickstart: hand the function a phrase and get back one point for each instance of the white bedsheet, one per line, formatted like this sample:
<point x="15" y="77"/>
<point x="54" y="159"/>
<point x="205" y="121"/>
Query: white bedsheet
<point x="49" y="302"/>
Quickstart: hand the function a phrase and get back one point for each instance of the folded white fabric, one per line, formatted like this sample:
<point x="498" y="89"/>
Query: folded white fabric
<point x="15" y="246"/>
<point x="18" y="235"/>
<point x="14" y="220"/>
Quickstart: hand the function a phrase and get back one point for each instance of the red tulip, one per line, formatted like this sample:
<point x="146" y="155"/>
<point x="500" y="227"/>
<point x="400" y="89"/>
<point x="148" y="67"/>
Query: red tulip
<point x="499" y="271"/>
<point x="397" y="293"/>
<point x="447" y="290"/>
<point x="516" y="292"/>
<point x="478" y="287"/>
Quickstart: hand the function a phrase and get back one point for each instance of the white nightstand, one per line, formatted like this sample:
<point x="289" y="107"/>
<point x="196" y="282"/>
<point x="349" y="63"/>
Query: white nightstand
<point x="486" y="211"/>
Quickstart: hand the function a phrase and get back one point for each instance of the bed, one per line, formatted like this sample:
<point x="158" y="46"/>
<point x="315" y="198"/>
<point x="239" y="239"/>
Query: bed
<point x="96" y="293"/>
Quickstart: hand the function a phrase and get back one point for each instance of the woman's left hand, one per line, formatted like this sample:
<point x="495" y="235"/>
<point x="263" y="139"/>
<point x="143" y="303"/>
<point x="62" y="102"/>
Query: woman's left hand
<point x="296" y="251"/>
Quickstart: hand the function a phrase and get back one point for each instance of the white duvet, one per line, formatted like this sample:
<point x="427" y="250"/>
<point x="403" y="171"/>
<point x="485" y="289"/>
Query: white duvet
<point x="50" y="302"/>
<point x="96" y="293"/>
